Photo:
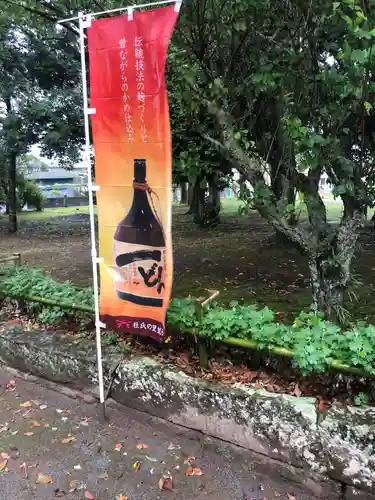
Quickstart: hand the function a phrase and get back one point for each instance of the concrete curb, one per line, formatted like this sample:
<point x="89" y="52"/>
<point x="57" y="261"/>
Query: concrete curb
<point x="334" y="458"/>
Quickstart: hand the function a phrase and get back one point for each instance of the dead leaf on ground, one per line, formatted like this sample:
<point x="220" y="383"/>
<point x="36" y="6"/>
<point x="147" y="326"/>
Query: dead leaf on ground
<point x="28" y="434"/>
<point x="251" y="375"/>
<point x="166" y="483"/>
<point x="193" y="471"/>
<point x="322" y="405"/>
<point x="142" y="446"/>
<point x="23" y="468"/>
<point x="44" y="479"/>
<point x="11" y="386"/>
<point x="121" y="497"/>
<point x="104" y="476"/>
<point x="35" y="423"/>
<point x="26" y="404"/>
<point x="72" y="486"/>
<point x="297" y="391"/>
<point x="189" y="460"/>
<point x="118" y="447"/>
<point x="89" y="495"/>
<point x="172" y="446"/>
<point x="291" y="497"/>
<point x="59" y="493"/>
<point x="3" y="465"/>
<point x="68" y="440"/>
<point x="136" y="466"/>
<point x="5" y="456"/>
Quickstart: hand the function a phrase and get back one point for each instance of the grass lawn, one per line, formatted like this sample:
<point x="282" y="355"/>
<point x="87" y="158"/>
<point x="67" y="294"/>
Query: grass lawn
<point x="53" y="212"/>
<point x="230" y="207"/>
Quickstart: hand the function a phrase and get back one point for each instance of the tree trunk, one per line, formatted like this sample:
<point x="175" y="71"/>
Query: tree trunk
<point x="184" y="193"/>
<point x="328" y="286"/>
<point x="197" y="200"/>
<point x="214" y="195"/>
<point x="330" y="274"/>
<point x="12" y="194"/>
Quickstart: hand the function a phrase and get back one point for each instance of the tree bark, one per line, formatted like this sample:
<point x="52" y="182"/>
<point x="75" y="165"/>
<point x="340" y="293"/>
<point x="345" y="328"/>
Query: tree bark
<point x="12" y="181"/>
<point x="328" y="285"/>
<point x="330" y="274"/>
<point x="184" y="193"/>
<point x="12" y="194"/>
<point x="197" y="200"/>
<point x="214" y="195"/>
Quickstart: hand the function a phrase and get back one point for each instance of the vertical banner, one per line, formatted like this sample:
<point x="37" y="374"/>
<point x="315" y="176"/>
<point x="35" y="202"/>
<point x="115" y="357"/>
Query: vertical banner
<point x="133" y="168"/>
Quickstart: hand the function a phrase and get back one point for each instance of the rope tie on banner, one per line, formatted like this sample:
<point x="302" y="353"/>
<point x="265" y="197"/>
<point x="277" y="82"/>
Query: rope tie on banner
<point x="143" y="186"/>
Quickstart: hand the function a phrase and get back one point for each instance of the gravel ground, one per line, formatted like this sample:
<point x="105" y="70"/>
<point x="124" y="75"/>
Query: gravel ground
<point x="61" y="439"/>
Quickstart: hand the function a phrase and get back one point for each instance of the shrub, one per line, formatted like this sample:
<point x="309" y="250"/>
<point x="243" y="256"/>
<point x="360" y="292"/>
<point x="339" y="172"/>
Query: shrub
<point x="315" y="342"/>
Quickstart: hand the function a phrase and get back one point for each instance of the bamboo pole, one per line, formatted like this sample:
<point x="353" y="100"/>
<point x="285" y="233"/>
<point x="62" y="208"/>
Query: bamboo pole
<point x="231" y="341"/>
<point x="10" y="258"/>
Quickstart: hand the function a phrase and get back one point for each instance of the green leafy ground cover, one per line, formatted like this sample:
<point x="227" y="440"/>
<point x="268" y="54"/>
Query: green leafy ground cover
<point x="314" y="341"/>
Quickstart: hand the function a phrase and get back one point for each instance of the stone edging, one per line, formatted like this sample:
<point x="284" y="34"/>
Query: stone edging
<point x="331" y="457"/>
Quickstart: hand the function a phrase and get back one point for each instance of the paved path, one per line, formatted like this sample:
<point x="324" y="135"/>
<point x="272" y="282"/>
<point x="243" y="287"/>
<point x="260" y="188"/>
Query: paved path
<point x="62" y="440"/>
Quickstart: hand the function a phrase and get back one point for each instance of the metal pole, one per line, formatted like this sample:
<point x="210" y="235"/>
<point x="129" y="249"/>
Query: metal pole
<point x="118" y="9"/>
<point x="92" y="218"/>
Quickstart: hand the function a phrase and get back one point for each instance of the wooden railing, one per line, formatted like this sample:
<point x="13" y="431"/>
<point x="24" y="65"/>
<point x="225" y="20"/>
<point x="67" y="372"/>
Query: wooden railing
<point x="16" y="258"/>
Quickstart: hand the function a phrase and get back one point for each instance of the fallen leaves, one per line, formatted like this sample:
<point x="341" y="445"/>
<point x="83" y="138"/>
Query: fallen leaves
<point x="11" y="386"/>
<point x="59" y="493"/>
<point x="73" y="486"/>
<point x="44" y="479"/>
<point x="28" y="434"/>
<point x="166" y="483"/>
<point x="35" y="423"/>
<point x="89" y="495"/>
<point x="68" y="440"/>
<point x="23" y="468"/>
<point x="3" y="465"/>
<point x="193" y="471"/>
<point x="291" y="497"/>
<point x="136" y="466"/>
<point x="118" y="447"/>
<point x="26" y="404"/>
<point x="142" y="446"/>
<point x="121" y="497"/>
<point x="5" y="456"/>
<point x="297" y="391"/>
<point x="172" y="446"/>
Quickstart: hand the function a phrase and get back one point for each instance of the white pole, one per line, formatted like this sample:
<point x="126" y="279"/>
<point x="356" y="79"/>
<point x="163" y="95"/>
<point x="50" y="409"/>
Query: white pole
<point x="92" y="218"/>
<point x="118" y="9"/>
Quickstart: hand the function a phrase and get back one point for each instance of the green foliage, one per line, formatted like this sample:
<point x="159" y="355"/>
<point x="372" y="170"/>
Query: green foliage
<point x="21" y="282"/>
<point x="111" y="339"/>
<point x="362" y="399"/>
<point x="30" y="194"/>
<point x="315" y="342"/>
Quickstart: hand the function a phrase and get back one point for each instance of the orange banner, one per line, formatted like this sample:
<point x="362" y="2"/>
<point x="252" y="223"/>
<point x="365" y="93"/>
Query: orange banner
<point x="133" y="168"/>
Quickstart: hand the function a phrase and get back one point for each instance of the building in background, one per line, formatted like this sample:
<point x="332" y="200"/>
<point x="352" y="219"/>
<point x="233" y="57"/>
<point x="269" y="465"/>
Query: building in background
<point x="60" y="183"/>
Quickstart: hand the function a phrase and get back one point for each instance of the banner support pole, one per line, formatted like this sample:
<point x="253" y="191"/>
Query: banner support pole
<point x="119" y="9"/>
<point x="88" y="111"/>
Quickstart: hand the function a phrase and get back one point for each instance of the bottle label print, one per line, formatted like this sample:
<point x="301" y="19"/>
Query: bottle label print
<point x="139" y="273"/>
<point x="133" y="168"/>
